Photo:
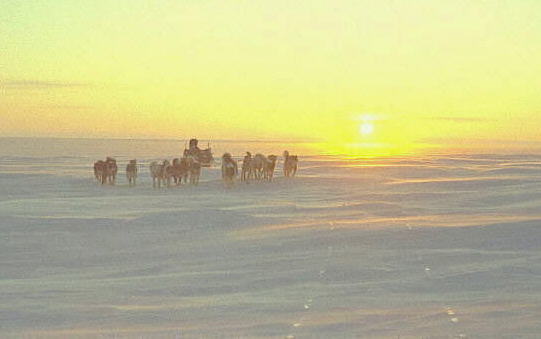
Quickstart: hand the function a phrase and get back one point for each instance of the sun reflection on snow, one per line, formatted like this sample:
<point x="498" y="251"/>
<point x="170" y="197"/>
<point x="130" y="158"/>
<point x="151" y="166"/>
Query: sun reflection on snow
<point x="458" y="220"/>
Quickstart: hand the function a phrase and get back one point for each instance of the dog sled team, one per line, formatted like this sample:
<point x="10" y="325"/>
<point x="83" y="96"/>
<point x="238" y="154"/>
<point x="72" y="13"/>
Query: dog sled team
<point x="260" y="167"/>
<point x="105" y="171"/>
<point x="184" y="170"/>
<point x="187" y="170"/>
<point x="179" y="171"/>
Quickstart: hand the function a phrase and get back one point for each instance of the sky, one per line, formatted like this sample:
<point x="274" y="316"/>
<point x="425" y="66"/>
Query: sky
<point x="400" y="73"/>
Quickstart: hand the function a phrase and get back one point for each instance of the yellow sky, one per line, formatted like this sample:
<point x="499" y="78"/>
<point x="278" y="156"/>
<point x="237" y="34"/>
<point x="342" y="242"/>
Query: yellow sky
<point x="419" y="70"/>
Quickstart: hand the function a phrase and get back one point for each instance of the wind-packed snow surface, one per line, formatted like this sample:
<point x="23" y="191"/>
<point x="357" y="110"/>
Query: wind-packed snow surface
<point x="420" y="246"/>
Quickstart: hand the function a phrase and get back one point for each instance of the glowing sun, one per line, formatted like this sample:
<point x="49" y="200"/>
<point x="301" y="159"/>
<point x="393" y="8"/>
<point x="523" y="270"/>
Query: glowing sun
<point x="366" y="128"/>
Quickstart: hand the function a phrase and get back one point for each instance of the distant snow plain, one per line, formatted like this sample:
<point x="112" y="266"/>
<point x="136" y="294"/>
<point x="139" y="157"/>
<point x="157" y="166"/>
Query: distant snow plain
<point x="441" y="246"/>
